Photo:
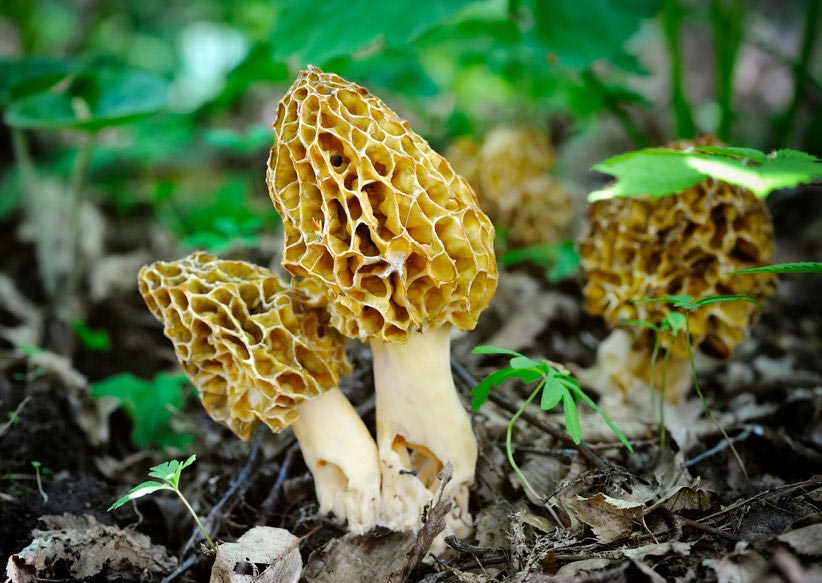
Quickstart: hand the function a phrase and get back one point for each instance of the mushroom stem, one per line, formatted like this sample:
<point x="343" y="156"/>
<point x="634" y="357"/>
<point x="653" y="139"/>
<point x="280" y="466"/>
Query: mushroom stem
<point x="421" y="426"/>
<point x="342" y="456"/>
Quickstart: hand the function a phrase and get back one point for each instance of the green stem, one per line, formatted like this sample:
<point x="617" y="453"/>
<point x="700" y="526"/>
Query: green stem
<point x="78" y="175"/>
<point x="509" y="450"/>
<point x="728" y="25"/>
<point x="671" y="17"/>
<point x="37" y="210"/>
<point x="210" y="542"/>
<point x="704" y="401"/>
<point x="783" y="124"/>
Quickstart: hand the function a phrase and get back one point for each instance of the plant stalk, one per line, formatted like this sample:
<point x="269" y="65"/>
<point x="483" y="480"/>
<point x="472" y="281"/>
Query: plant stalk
<point x="783" y="124"/>
<point x="704" y="401"/>
<point x="210" y="542"/>
<point x="509" y="432"/>
<point x="728" y="25"/>
<point x="671" y="17"/>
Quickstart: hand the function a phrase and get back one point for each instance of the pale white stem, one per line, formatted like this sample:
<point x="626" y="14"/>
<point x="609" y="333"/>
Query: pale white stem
<point x="421" y="426"/>
<point x="342" y="457"/>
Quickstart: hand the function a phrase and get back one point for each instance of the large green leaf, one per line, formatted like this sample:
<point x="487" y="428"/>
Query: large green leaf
<point x="93" y="100"/>
<point x="316" y="33"/>
<point x="578" y="32"/>
<point x="148" y="403"/>
<point x="660" y="172"/>
<point x="22" y="77"/>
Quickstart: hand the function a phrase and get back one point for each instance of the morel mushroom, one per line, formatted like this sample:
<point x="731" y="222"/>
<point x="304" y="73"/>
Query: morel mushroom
<point x="262" y="352"/>
<point x="509" y="173"/>
<point x="398" y="241"/>
<point x="684" y="244"/>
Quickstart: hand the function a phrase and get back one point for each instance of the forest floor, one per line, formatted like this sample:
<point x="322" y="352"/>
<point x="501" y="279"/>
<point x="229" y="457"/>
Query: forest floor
<point x="686" y="511"/>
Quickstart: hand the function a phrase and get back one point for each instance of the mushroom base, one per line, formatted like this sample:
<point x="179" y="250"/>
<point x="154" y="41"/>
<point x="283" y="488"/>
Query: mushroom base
<point x="342" y="456"/>
<point x="421" y="426"/>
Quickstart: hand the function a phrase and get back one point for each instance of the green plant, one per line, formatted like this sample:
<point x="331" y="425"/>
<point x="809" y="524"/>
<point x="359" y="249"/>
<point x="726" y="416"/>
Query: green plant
<point x="661" y="171"/>
<point x="91" y="339"/>
<point x="560" y="260"/>
<point x="168" y="474"/>
<point x="798" y="267"/>
<point x="150" y="405"/>
<point x="37" y="469"/>
<point x="676" y="322"/>
<point x="52" y="95"/>
<point x="555" y="387"/>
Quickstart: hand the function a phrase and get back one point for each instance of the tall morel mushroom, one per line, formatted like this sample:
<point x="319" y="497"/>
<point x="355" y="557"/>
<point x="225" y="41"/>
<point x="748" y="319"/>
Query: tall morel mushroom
<point x="683" y="244"/>
<point x="404" y="252"/>
<point x="262" y="352"/>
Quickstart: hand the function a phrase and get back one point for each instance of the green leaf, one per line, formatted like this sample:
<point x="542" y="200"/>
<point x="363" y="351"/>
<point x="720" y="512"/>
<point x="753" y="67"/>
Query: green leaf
<point x="149" y="404"/>
<point x="660" y="172"/>
<point x="675" y="321"/>
<point x="485" y="349"/>
<point x="139" y="491"/>
<point x="335" y="28"/>
<point x="571" y="417"/>
<point x="22" y="77"/>
<point x="579" y="32"/>
<point x="93" y="100"/>
<point x="552" y="394"/>
<point x="480" y="392"/>
<point x="718" y="299"/>
<point x="95" y="340"/>
<point x="590" y="402"/>
<point x="798" y="267"/>
<point x="519" y="362"/>
<point x="648" y="172"/>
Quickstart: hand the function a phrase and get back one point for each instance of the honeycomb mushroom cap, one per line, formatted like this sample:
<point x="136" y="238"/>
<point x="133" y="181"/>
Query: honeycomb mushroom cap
<point x="253" y="346"/>
<point x="509" y="157"/>
<point x="370" y="210"/>
<point x="680" y="245"/>
<point x="509" y="173"/>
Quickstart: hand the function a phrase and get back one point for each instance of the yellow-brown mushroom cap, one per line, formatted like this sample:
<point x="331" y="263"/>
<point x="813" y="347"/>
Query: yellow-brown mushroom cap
<point x="254" y="347"/>
<point x="509" y="173"/>
<point x="680" y="245"/>
<point x="370" y="210"/>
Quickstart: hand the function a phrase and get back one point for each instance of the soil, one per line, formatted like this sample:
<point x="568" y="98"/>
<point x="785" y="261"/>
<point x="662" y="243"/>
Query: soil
<point x="686" y="511"/>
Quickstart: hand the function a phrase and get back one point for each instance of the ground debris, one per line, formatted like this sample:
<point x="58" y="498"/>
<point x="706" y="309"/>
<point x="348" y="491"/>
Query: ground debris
<point x="81" y="547"/>
<point x="263" y="555"/>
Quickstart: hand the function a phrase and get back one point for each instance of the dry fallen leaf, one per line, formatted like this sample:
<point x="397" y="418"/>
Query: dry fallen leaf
<point x="86" y="548"/>
<point x="806" y="540"/>
<point x="262" y="555"/>
<point x="609" y="518"/>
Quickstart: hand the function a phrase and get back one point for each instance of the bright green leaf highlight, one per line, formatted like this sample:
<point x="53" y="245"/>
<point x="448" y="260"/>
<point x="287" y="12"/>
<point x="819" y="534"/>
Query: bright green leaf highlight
<point x="660" y="172"/>
<point x="96" y="340"/>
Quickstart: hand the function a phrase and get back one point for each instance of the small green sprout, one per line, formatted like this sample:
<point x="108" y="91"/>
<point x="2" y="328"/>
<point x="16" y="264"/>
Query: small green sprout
<point x="169" y="474"/>
<point x="37" y="465"/>
<point x="676" y="321"/>
<point x="556" y="387"/>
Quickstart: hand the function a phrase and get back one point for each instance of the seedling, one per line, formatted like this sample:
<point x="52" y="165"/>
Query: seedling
<point x="687" y="304"/>
<point x="37" y="465"/>
<point x="555" y="387"/>
<point x="168" y="474"/>
<point x="798" y="267"/>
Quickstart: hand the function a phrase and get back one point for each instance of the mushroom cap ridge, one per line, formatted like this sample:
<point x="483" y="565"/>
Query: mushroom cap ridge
<point x="254" y="347"/>
<point x="395" y="236"/>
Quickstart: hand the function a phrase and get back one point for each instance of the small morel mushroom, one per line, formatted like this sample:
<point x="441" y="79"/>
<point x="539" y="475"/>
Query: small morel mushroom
<point x="509" y="173"/>
<point x="398" y="241"/>
<point x="642" y="248"/>
<point x="262" y="352"/>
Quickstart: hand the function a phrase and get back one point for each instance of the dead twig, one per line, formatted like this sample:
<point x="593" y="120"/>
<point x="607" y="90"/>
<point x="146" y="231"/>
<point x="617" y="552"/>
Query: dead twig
<point x="13" y="417"/>
<point x="274" y="495"/>
<point x="456" y="544"/>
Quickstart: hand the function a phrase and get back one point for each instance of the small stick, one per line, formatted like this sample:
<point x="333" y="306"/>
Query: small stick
<point x="14" y="416"/>
<point x="274" y="495"/>
<point x="456" y="544"/>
